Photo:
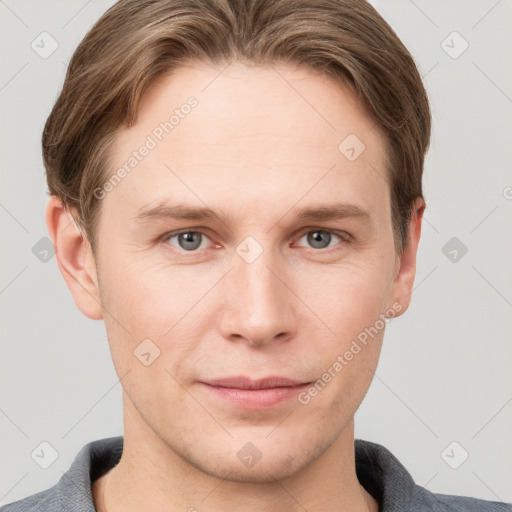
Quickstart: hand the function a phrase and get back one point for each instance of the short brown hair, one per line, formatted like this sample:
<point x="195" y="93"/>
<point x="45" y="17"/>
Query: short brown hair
<point x="136" y="41"/>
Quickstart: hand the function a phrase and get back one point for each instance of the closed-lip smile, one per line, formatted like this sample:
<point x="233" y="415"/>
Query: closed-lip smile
<point x="248" y="393"/>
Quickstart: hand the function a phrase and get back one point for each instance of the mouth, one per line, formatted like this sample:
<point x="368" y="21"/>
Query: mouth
<point x="246" y="393"/>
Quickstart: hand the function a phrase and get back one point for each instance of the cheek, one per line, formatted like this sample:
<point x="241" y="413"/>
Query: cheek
<point x="144" y="300"/>
<point x="347" y="298"/>
<point x="350" y="304"/>
<point x="145" y="292"/>
<point x="344" y="363"/>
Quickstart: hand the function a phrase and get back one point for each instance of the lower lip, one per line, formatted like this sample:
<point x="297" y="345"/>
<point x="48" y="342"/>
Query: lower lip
<point x="256" y="398"/>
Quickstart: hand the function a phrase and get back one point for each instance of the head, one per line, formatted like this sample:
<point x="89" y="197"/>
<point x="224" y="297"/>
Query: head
<point x="300" y="131"/>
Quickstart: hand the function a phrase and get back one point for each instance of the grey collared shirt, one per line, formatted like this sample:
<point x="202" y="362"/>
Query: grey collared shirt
<point x="377" y="469"/>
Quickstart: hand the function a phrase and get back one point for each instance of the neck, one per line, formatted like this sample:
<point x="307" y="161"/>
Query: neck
<point x="153" y="477"/>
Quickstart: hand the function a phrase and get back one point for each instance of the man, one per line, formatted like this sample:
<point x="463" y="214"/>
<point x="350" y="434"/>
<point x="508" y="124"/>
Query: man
<point x="243" y="180"/>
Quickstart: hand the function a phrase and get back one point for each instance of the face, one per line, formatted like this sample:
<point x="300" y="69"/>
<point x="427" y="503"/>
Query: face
<point x="272" y="283"/>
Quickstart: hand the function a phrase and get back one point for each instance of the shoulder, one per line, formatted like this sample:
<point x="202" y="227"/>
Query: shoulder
<point x="72" y="493"/>
<point x="388" y="481"/>
<point x="47" y="500"/>
<point x="426" y="500"/>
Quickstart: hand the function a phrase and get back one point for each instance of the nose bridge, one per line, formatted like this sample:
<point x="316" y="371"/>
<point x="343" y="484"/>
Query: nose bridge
<point x="258" y="303"/>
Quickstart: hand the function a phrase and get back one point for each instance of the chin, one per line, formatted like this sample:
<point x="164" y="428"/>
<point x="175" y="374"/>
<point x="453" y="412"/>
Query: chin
<point x="256" y="459"/>
<point x="270" y="468"/>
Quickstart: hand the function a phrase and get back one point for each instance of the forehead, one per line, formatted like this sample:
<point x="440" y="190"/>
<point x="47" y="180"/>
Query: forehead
<point x="252" y="131"/>
<point x="285" y="100"/>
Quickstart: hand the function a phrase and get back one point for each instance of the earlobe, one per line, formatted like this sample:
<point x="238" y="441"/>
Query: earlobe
<point x="74" y="258"/>
<point x="404" y="278"/>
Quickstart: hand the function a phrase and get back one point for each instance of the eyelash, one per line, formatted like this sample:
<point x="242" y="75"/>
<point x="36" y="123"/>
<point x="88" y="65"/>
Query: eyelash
<point x="344" y="237"/>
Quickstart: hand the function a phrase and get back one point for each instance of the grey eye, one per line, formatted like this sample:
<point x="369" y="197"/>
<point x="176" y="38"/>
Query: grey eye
<point x="189" y="240"/>
<point x="319" y="239"/>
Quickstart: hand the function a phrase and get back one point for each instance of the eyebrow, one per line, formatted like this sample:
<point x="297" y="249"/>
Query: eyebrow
<point x="165" y="211"/>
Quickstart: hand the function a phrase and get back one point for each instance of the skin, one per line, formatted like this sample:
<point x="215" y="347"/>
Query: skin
<point x="262" y="143"/>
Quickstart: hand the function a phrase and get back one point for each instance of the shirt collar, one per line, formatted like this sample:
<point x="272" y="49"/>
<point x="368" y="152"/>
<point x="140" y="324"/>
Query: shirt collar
<point x="377" y="469"/>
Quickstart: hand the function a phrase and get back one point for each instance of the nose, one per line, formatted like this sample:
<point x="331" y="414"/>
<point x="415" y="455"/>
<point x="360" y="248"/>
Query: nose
<point x="259" y="305"/>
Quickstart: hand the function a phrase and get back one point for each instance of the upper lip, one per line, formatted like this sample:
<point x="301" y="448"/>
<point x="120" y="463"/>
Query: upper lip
<point x="242" y="382"/>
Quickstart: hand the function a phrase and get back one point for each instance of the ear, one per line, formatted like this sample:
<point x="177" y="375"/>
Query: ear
<point x="406" y="263"/>
<point x="74" y="258"/>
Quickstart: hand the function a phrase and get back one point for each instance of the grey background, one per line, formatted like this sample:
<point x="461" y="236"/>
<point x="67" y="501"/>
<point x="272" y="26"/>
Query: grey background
<point x="444" y="373"/>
